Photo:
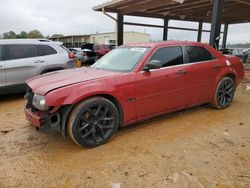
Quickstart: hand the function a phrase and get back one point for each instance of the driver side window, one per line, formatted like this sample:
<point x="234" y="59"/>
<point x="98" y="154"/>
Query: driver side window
<point x="169" y="56"/>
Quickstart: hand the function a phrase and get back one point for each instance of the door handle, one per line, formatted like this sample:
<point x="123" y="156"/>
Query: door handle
<point x="39" y="61"/>
<point x="217" y="66"/>
<point x="181" y="72"/>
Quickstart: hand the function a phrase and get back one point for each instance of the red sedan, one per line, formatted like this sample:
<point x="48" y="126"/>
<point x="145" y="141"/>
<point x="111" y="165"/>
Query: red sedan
<point x="130" y="84"/>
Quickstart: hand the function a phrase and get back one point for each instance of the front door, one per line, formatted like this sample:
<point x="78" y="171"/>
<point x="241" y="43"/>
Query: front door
<point x="163" y="89"/>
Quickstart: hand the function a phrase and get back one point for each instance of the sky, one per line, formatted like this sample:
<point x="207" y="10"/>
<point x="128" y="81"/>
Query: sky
<point x="77" y="17"/>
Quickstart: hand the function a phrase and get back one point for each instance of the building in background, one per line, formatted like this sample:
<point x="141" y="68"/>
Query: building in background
<point x="110" y="38"/>
<point x="102" y="38"/>
<point x="73" y="40"/>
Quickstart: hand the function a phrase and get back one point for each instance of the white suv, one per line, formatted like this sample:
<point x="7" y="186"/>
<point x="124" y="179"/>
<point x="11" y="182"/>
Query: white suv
<point x="21" y="59"/>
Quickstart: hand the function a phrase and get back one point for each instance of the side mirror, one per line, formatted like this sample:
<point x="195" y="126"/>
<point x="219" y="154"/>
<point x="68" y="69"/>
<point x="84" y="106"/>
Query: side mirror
<point x="153" y="64"/>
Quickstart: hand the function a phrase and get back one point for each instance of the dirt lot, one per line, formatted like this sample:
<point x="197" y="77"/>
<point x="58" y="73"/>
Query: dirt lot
<point x="199" y="147"/>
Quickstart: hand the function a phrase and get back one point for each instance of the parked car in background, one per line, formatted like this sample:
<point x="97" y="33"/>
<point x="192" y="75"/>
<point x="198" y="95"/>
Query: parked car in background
<point x="131" y="83"/>
<point x="101" y="49"/>
<point x="246" y="56"/>
<point x="226" y="51"/>
<point x="90" y="55"/>
<point x="79" y="54"/>
<point x="234" y="51"/>
<point x="238" y="53"/>
<point x="21" y="59"/>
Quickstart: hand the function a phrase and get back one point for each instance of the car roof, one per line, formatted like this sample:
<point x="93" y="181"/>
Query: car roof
<point x="24" y="41"/>
<point x="162" y="43"/>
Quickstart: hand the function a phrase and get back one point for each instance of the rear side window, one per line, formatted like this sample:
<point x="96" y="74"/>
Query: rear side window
<point x="169" y="56"/>
<point x="198" y="54"/>
<point x="21" y="51"/>
<point x="45" y="50"/>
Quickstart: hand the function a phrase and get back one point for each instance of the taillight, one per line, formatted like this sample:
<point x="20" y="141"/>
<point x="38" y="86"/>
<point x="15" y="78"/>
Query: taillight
<point x="71" y="55"/>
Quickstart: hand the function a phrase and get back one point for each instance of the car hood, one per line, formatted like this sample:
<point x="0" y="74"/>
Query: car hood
<point x="54" y="80"/>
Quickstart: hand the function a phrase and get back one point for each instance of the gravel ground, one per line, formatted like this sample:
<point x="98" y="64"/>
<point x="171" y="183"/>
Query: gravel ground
<point x="199" y="147"/>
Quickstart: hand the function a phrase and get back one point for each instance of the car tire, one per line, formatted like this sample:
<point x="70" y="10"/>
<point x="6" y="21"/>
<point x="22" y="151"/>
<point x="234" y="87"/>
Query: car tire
<point x="93" y="122"/>
<point x="224" y="94"/>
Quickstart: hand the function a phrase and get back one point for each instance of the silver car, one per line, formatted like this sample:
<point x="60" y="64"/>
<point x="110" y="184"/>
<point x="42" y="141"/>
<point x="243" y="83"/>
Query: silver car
<point x="21" y="59"/>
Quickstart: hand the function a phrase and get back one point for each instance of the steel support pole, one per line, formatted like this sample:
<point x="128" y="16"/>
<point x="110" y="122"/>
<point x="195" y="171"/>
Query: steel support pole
<point x="165" y="29"/>
<point x="72" y="41"/>
<point x="200" y="31"/>
<point x="224" y="42"/>
<point x="120" y="29"/>
<point x="216" y="23"/>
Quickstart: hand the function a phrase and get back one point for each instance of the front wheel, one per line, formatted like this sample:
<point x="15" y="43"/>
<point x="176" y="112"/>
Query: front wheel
<point x="224" y="93"/>
<point x="93" y="122"/>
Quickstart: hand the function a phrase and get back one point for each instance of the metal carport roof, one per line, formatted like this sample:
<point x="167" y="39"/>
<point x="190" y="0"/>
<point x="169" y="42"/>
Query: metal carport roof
<point x="234" y="11"/>
<point x="210" y="11"/>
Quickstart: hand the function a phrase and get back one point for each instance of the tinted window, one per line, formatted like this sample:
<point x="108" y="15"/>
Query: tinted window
<point x="1" y="49"/>
<point x="45" y="50"/>
<point x="197" y="54"/>
<point x="169" y="56"/>
<point x="21" y="51"/>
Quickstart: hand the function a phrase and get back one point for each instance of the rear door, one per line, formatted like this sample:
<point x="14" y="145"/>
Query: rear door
<point x="22" y="63"/>
<point x="2" y="70"/>
<point x="47" y="54"/>
<point x="203" y="68"/>
<point x="162" y="89"/>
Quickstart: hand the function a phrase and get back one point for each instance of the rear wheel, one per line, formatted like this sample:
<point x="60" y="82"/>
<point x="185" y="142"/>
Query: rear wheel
<point x="224" y="93"/>
<point x="93" y="122"/>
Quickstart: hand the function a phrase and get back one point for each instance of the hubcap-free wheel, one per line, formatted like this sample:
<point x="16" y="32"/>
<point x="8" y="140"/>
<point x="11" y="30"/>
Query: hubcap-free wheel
<point x="225" y="93"/>
<point x="93" y="122"/>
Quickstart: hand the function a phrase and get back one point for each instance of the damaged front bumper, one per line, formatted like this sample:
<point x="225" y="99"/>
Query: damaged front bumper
<point x="43" y="121"/>
<point x="46" y="121"/>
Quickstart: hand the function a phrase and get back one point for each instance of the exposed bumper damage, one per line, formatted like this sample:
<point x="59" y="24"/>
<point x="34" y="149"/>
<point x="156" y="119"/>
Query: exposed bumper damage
<point x="46" y="121"/>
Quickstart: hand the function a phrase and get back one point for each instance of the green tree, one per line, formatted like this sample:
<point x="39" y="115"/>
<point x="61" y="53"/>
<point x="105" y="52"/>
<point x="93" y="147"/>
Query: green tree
<point x="35" y="34"/>
<point x="23" y="35"/>
<point x="9" y="35"/>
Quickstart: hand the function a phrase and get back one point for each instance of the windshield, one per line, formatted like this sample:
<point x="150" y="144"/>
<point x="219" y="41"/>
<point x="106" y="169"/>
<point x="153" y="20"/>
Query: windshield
<point x="121" y="59"/>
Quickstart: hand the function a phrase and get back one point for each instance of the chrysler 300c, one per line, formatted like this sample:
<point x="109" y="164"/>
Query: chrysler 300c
<point x="130" y="84"/>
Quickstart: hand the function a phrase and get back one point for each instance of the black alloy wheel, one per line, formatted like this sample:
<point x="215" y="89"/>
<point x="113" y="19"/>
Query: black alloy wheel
<point x="225" y="93"/>
<point x="93" y="122"/>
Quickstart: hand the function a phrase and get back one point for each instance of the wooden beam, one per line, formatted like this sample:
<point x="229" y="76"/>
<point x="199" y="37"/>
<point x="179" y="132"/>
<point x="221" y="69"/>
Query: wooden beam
<point x="190" y="8"/>
<point x="242" y="2"/>
<point x="144" y="25"/>
<point x="142" y="6"/>
<point x="173" y="7"/>
<point x="107" y="5"/>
